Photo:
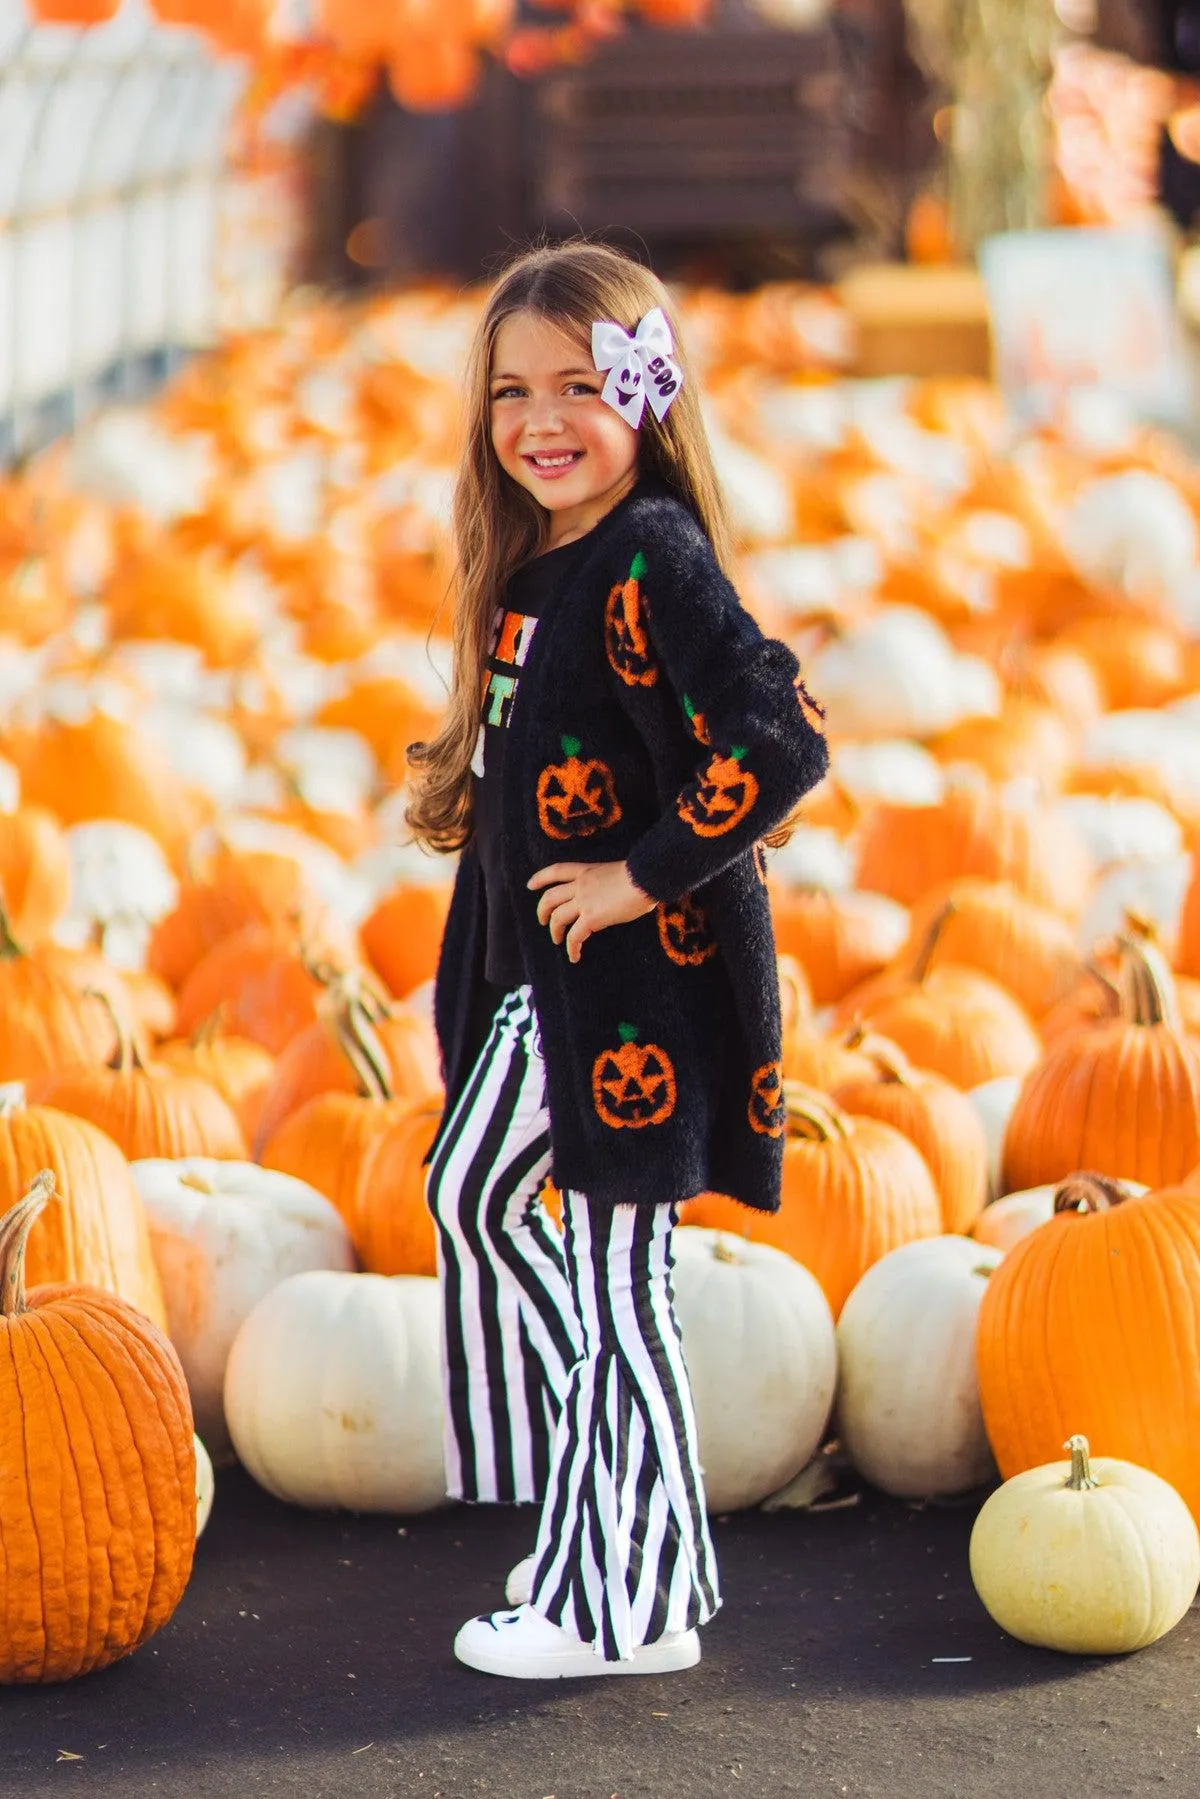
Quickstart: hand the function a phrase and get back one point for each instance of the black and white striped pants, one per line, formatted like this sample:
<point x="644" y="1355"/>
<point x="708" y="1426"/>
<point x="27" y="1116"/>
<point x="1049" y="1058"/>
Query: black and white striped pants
<point x="563" y="1368"/>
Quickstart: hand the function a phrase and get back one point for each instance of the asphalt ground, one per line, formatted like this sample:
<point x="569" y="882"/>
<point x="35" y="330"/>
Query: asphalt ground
<point x="311" y="1656"/>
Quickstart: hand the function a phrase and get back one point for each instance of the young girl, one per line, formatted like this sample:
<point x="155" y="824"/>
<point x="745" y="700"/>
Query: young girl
<point x="620" y="740"/>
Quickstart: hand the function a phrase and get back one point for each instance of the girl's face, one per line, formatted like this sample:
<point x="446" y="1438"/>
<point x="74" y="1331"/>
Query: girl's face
<point x="551" y="431"/>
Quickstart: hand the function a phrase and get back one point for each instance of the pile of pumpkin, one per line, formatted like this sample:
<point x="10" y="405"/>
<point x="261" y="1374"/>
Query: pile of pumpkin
<point x="223" y="616"/>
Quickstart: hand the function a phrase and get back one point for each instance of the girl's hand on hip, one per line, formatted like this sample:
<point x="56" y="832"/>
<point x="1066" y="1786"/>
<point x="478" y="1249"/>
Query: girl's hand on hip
<point x="580" y="898"/>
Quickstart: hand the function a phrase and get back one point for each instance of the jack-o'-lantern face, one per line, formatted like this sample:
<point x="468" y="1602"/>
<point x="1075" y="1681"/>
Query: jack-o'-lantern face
<point x="766" y="1111"/>
<point x="635" y="1085"/>
<point x="626" y="641"/>
<point x="814" y="714"/>
<point x="723" y="796"/>
<point x="683" y="931"/>
<point x="576" y="797"/>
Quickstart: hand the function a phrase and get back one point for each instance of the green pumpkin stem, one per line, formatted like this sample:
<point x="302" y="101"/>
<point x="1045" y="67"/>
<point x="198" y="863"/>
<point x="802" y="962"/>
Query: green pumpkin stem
<point x="739" y="750"/>
<point x="628" y="1033"/>
<point x="1081" y="1479"/>
<point x="637" y="567"/>
<point x="15" y="1227"/>
<point x="9" y="947"/>
<point x="571" y="745"/>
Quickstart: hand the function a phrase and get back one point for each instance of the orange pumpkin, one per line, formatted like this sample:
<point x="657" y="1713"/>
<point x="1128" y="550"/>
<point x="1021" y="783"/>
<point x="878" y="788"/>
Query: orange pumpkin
<point x="1123" y="1097"/>
<point x="942" y="1123"/>
<point x="576" y="797"/>
<point x="98" y="1476"/>
<point x="633" y="1086"/>
<point x="146" y="1108"/>
<point x="1084" y="1325"/>
<point x="626" y="638"/>
<point x="330" y="1140"/>
<point x="35" y="871"/>
<point x="1029" y="949"/>
<point x="1187" y="952"/>
<point x="394" y="1230"/>
<point x="267" y="985"/>
<point x="838" y="938"/>
<point x="946" y="1017"/>
<point x="44" y="1020"/>
<point x="973" y="831"/>
<point x="315" y="1061"/>
<point x="723" y="796"/>
<point x="402" y="936"/>
<point x="240" y="1071"/>
<point x="853" y="1189"/>
<point x="97" y="1233"/>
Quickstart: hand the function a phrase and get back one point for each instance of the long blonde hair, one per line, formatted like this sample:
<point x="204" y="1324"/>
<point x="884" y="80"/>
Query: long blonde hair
<point x="497" y="526"/>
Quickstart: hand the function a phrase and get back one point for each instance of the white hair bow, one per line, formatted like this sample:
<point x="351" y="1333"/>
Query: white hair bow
<point x="640" y="367"/>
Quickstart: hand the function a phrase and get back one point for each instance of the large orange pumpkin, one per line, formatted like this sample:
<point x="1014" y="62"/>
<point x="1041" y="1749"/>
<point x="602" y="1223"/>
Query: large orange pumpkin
<point x="35" y="871"/>
<point x="853" y="1188"/>
<point x="1029" y="949"/>
<point x="265" y="985"/>
<point x="947" y="1018"/>
<point x="393" y="1230"/>
<point x="1122" y="1097"/>
<point x="97" y="1233"/>
<point x="1086" y="1325"/>
<point x="146" y="1108"/>
<point x="240" y="1071"/>
<point x="938" y="1118"/>
<point x="45" y="1021"/>
<point x="402" y="937"/>
<point x="316" y="1060"/>
<point x="838" y="938"/>
<point x="98" y="1475"/>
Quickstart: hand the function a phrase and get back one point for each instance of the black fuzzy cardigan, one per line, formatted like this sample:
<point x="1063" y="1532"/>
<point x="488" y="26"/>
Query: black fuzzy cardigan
<point x="654" y="723"/>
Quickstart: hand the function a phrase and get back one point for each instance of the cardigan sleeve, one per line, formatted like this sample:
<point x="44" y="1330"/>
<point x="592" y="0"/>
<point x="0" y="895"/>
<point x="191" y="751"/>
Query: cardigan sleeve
<point x="760" y="742"/>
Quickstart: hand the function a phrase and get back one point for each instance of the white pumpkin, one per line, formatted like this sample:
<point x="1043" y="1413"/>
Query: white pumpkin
<point x="1007" y="1220"/>
<point x="759" y="1347"/>
<point x="333" y="1392"/>
<point x="994" y="1101"/>
<point x="908" y="1411"/>
<point x="222" y="1235"/>
<point x="1091" y="1557"/>
<point x="205" y="1485"/>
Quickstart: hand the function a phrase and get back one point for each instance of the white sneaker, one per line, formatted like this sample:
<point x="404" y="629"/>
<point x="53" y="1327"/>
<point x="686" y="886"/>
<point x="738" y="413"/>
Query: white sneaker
<point x="518" y="1588"/>
<point x="525" y="1646"/>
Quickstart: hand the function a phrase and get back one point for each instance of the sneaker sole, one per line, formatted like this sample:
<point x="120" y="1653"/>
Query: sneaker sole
<point x="584" y="1663"/>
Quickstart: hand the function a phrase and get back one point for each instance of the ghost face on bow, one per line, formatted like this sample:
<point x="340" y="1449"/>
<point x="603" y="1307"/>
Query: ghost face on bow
<point x="551" y="430"/>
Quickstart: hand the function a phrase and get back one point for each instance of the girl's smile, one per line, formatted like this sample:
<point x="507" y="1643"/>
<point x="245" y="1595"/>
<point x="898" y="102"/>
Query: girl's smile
<point x="551" y="431"/>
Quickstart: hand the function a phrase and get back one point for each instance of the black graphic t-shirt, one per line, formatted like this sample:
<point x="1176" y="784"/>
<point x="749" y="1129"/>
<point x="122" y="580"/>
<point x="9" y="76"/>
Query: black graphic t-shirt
<point x="529" y="595"/>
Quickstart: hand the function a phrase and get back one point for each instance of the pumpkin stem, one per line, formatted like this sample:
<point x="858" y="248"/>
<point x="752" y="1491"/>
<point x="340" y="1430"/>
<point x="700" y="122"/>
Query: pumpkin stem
<point x="1105" y="980"/>
<point x="9" y="947"/>
<point x="1089" y="1192"/>
<point x="812" y="1114"/>
<point x="355" y="1037"/>
<point x="128" y="1051"/>
<point x="721" y="1252"/>
<point x="1149" y="995"/>
<point x="210" y="1028"/>
<point x="571" y="746"/>
<point x="345" y="984"/>
<point x="891" y="1064"/>
<point x="15" y="1227"/>
<point x="928" y="949"/>
<point x="1081" y="1478"/>
<point x="628" y="1033"/>
<point x="637" y="567"/>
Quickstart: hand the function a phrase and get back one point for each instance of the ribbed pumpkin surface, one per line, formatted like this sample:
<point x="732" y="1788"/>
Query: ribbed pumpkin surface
<point x="394" y="1231"/>
<point x="97" y="1233"/>
<point x="44" y="1022"/>
<point x="1092" y="1324"/>
<point x="313" y="1063"/>
<point x="329" y="1143"/>
<point x="852" y="1190"/>
<point x="146" y="1109"/>
<point x="97" y="1477"/>
<point x="1028" y="949"/>
<point x="944" y="1126"/>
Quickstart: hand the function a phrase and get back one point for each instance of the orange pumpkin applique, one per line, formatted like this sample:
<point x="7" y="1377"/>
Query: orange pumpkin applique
<point x="635" y="1085"/>
<point x="684" y="932"/>
<point x="766" y="1111"/>
<point x="814" y="714"/>
<point x="723" y="797"/>
<point x="626" y="640"/>
<point x="698" y="723"/>
<point x="576" y="797"/>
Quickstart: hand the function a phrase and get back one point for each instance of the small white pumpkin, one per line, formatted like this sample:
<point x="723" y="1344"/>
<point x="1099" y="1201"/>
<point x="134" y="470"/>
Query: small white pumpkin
<point x="759" y="1347"/>
<point x="223" y="1234"/>
<point x="333" y="1392"/>
<point x="1091" y="1557"/>
<point x="908" y="1411"/>
<point x="1007" y="1220"/>
<point x="994" y="1101"/>
<point x="205" y="1485"/>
